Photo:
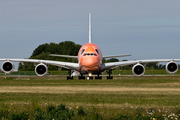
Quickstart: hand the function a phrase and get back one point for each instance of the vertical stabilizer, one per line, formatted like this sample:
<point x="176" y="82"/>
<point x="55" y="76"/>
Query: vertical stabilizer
<point x="89" y="27"/>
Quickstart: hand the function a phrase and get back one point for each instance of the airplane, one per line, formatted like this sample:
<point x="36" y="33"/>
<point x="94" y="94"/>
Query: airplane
<point x="89" y="63"/>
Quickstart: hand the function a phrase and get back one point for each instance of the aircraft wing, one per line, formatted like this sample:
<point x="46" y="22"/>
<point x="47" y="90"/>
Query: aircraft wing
<point x="67" y="56"/>
<point x="68" y="65"/>
<point x="112" y="65"/>
<point x="113" y="56"/>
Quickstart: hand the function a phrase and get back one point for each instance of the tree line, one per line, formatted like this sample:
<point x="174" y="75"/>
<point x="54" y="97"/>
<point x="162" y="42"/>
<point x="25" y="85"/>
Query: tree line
<point x="148" y="66"/>
<point x="68" y="48"/>
<point x="42" y="52"/>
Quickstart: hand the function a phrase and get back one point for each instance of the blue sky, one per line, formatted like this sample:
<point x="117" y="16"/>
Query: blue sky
<point x="143" y="28"/>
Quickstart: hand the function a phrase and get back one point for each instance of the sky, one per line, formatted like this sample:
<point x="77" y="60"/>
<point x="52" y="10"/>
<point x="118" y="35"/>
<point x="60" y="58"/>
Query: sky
<point x="146" y="29"/>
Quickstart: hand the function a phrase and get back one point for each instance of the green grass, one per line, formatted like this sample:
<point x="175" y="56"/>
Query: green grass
<point x="109" y="99"/>
<point x="118" y="99"/>
<point x="120" y="81"/>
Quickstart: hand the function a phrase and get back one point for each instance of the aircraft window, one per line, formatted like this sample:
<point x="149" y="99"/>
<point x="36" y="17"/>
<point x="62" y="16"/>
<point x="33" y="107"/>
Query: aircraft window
<point x="97" y="51"/>
<point x="82" y="51"/>
<point x="90" y="54"/>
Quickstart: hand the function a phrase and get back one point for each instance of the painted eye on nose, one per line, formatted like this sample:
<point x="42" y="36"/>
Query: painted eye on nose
<point x="97" y="51"/>
<point x="82" y="51"/>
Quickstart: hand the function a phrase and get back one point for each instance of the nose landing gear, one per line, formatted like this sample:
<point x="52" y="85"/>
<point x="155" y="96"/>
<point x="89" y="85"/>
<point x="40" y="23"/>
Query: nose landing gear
<point x="90" y="77"/>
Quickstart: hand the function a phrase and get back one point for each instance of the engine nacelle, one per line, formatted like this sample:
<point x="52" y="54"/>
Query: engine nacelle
<point x="171" y="67"/>
<point x="41" y="69"/>
<point x="138" y="69"/>
<point x="7" y="66"/>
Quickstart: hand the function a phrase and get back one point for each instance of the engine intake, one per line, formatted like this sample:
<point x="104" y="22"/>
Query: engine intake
<point x="7" y="66"/>
<point x="41" y="69"/>
<point x="138" y="69"/>
<point x="171" y="67"/>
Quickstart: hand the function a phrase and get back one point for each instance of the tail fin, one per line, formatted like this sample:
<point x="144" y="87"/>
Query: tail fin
<point x="89" y="27"/>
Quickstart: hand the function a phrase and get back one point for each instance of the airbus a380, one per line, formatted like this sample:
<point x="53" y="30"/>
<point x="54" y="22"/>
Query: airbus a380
<point x="89" y="62"/>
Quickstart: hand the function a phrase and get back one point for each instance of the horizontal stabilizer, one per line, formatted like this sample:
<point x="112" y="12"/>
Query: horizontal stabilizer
<point x="113" y="56"/>
<point x="67" y="56"/>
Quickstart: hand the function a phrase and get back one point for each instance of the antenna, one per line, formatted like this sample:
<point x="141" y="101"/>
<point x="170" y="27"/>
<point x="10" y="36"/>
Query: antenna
<point x="89" y="27"/>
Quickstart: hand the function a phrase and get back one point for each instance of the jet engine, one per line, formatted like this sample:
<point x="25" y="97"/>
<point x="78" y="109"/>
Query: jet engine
<point x="138" y="69"/>
<point x="171" y="67"/>
<point x="41" y="69"/>
<point x="7" y="66"/>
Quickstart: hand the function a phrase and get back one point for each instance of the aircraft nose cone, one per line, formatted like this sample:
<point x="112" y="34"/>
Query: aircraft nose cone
<point x="90" y="62"/>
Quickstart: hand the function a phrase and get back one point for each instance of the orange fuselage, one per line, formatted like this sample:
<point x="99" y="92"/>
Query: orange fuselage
<point x="90" y="59"/>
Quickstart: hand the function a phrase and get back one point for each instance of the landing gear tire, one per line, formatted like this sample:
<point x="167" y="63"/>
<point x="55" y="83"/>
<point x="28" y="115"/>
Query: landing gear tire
<point x="69" y="77"/>
<point x="109" y="77"/>
<point x="81" y="77"/>
<point x="98" y="77"/>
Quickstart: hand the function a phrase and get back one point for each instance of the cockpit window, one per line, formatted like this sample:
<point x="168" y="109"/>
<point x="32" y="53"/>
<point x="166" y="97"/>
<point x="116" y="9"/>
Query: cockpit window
<point x="90" y="54"/>
<point x="97" y="51"/>
<point x="82" y="51"/>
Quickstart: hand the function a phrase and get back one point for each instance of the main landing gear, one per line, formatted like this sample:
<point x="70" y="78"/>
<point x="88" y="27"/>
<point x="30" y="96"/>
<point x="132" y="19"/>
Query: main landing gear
<point x="110" y="72"/>
<point x="89" y="77"/>
<point x="81" y="77"/>
<point x="98" y="77"/>
<point x="70" y="77"/>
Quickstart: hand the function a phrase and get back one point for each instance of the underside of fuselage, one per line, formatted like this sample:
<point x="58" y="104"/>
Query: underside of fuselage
<point x="90" y="70"/>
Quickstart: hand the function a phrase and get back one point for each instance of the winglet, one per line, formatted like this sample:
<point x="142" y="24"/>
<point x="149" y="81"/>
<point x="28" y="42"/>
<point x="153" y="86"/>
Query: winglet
<point x="89" y="27"/>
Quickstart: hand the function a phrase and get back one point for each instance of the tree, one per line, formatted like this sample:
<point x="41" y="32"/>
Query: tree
<point x="43" y="51"/>
<point x="112" y="60"/>
<point x="152" y="65"/>
<point x="127" y="67"/>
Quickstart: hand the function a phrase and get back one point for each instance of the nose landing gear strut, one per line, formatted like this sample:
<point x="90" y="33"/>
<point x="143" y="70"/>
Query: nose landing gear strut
<point x="89" y="77"/>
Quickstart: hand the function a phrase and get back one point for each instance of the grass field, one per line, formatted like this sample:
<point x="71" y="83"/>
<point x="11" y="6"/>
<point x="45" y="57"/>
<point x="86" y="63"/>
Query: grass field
<point x="123" y="97"/>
